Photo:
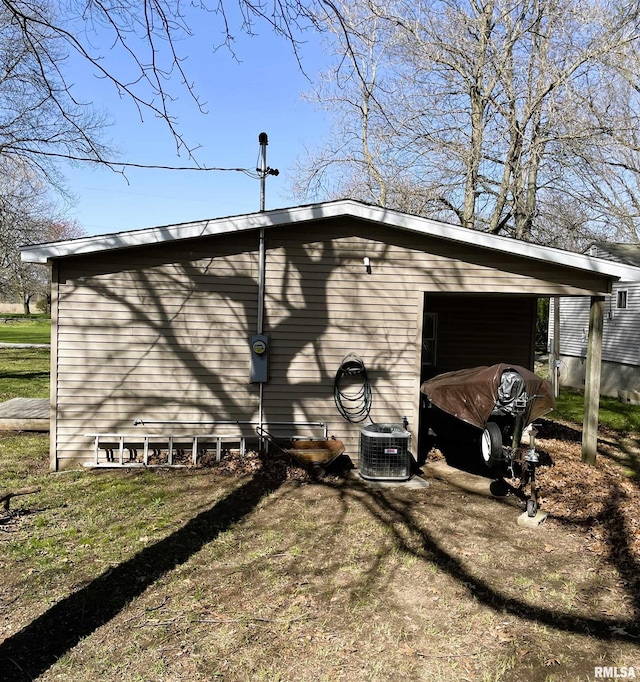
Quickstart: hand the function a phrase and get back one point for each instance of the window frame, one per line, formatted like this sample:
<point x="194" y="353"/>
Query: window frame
<point x="622" y="299"/>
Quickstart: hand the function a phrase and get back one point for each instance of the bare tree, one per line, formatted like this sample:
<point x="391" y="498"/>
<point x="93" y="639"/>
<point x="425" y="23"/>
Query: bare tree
<point x="600" y="170"/>
<point x="28" y="215"/>
<point x="350" y="94"/>
<point x="39" y="115"/>
<point x="137" y="47"/>
<point x="365" y="158"/>
<point x="498" y="107"/>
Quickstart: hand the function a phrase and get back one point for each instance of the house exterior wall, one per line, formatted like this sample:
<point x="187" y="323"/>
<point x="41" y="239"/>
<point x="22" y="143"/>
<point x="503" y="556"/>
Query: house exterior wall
<point x="615" y="376"/>
<point x="162" y="332"/>
<point x="155" y="334"/>
<point x="322" y="304"/>
<point x="620" y="341"/>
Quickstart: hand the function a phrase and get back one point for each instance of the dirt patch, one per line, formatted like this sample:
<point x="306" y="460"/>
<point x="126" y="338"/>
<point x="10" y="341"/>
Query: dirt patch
<point x="257" y="571"/>
<point x="600" y="502"/>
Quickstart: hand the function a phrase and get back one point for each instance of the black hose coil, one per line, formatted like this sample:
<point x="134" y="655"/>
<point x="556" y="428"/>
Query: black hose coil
<point x="352" y="389"/>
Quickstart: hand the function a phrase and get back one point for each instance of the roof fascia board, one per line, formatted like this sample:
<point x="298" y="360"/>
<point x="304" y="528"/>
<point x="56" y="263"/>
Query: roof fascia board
<point x="346" y="208"/>
<point x="457" y="233"/>
<point x="42" y="253"/>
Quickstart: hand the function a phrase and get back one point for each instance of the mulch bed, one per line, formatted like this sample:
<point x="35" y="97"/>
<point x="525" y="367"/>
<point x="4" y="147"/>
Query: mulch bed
<point x="600" y="501"/>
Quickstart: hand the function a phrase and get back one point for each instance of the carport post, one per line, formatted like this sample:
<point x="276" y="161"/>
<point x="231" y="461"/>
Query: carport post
<point x="592" y="380"/>
<point x="554" y="355"/>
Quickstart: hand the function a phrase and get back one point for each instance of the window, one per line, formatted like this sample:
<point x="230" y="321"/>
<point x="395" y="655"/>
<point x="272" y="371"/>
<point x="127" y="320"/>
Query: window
<point x="429" y="336"/>
<point x="621" y="300"/>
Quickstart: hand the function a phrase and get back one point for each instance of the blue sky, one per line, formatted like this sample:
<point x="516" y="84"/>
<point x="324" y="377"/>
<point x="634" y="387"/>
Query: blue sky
<point x="260" y="93"/>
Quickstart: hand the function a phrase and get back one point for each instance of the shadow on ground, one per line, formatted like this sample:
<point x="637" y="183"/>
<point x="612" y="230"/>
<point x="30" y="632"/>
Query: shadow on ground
<point x="32" y="650"/>
<point x="384" y="507"/>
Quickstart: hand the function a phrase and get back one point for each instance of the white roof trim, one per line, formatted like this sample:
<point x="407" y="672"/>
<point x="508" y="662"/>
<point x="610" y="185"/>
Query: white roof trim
<point x="43" y="253"/>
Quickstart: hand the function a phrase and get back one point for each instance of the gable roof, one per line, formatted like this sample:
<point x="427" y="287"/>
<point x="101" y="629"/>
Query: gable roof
<point x="346" y="208"/>
<point x="620" y="252"/>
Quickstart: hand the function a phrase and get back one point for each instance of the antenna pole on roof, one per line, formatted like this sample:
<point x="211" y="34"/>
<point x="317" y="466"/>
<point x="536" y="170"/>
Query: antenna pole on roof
<point x="264" y="141"/>
<point x="264" y="170"/>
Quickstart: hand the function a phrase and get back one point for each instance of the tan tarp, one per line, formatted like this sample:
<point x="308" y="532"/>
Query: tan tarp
<point x="471" y="394"/>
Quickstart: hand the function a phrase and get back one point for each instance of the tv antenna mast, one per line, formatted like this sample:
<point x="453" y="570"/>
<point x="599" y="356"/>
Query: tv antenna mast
<point x="264" y="170"/>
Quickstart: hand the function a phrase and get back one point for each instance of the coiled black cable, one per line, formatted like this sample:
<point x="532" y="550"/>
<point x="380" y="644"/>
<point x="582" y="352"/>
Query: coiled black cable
<point x="352" y="389"/>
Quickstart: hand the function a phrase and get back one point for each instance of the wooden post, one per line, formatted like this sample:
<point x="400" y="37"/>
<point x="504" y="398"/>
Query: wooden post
<point x="592" y="380"/>
<point x="554" y="355"/>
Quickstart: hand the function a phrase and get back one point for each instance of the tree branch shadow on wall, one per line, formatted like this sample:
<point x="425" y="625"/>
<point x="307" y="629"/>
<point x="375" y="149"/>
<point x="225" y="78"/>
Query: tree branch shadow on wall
<point x="31" y="651"/>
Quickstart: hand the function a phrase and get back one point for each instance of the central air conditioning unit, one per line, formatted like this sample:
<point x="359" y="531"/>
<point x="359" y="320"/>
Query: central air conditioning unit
<point x="384" y="452"/>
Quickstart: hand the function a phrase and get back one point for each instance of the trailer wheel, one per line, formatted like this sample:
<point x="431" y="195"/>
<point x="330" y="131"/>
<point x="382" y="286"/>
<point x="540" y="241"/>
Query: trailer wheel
<point x="491" y="444"/>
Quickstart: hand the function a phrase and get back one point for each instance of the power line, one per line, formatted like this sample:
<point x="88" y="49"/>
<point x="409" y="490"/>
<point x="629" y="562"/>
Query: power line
<point x="128" y="164"/>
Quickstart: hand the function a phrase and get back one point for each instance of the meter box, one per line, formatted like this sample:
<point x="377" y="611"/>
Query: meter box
<point x="259" y="358"/>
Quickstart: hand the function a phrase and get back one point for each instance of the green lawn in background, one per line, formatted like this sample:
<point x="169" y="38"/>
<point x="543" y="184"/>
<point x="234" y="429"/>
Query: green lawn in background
<point x="613" y="414"/>
<point x="24" y="373"/>
<point x="16" y="329"/>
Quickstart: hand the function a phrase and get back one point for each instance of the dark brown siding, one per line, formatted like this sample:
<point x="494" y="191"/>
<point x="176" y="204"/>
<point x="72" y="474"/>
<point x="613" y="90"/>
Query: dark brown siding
<point x="477" y="330"/>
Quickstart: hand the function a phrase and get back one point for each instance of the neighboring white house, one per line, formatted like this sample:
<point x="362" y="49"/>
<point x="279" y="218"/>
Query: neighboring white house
<point x="621" y="333"/>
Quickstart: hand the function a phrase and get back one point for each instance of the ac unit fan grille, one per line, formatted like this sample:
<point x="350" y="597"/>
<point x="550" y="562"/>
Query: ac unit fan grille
<point x="384" y="452"/>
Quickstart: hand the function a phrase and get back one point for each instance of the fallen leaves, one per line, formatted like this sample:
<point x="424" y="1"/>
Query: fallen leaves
<point x="599" y="501"/>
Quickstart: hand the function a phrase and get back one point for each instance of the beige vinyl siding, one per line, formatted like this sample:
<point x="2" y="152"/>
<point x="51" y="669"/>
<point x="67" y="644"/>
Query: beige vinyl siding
<point x="53" y="382"/>
<point x="446" y="266"/>
<point x="321" y="305"/>
<point x="161" y="333"/>
<point x="155" y="340"/>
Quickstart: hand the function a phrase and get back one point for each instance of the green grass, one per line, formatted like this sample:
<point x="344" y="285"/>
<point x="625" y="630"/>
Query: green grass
<point x="78" y="516"/>
<point x="17" y="329"/>
<point x="24" y="373"/>
<point x="613" y="414"/>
